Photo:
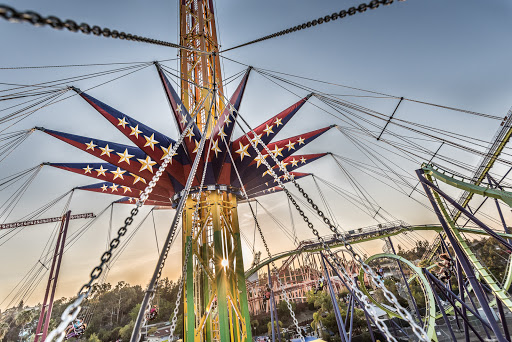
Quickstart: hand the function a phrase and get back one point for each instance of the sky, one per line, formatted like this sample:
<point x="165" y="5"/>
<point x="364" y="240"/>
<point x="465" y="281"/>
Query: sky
<point x="452" y="53"/>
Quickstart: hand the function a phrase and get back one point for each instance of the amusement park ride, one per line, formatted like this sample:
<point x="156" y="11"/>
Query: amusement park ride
<point x="207" y="172"/>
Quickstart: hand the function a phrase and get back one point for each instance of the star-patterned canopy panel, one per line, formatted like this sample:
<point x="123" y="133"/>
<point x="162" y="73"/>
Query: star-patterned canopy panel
<point x="127" y="169"/>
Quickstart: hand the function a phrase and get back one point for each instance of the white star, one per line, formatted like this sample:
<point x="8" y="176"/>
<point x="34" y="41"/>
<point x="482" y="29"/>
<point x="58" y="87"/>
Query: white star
<point x="122" y="122"/>
<point x="278" y="122"/>
<point x="166" y="152"/>
<point x="268" y="130"/>
<point x="242" y="151"/>
<point x="178" y="108"/>
<point x="227" y="121"/>
<point x="300" y="141"/>
<point x="118" y="173"/>
<point x="135" y="131"/>
<point x="221" y="133"/>
<point x="124" y="157"/>
<point x="282" y="167"/>
<point x="183" y="120"/>
<point x="294" y="162"/>
<point x="190" y="134"/>
<point x="101" y="171"/>
<point x="277" y="151"/>
<point x="197" y="147"/>
<point x="125" y="188"/>
<point x="259" y="159"/>
<point x="130" y="200"/>
<point x="303" y="160"/>
<point x="87" y="169"/>
<point x="146" y="164"/>
<point x="90" y="146"/>
<point x="215" y="147"/>
<point x="137" y="178"/>
<point x="106" y="150"/>
<point x="290" y="145"/>
<point x="256" y="139"/>
<point x="104" y="187"/>
<point x="114" y="187"/>
<point x="150" y="141"/>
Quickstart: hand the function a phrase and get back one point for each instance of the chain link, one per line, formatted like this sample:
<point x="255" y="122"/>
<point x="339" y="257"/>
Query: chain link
<point x="336" y="15"/>
<point x="418" y="331"/>
<point x="11" y="14"/>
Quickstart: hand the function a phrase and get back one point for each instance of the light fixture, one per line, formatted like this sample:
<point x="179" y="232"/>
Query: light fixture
<point x="224" y="262"/>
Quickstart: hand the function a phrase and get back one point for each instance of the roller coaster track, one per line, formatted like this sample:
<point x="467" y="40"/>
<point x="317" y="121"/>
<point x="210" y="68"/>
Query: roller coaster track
<point x="500" y="291"/>
<point x="500" y="140"/>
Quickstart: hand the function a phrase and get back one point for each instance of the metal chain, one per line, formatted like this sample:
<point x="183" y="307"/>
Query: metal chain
<point x="281" y="286"/>
<point x="72" y="311"/>
<point x="180" y="209"/>
<point x="418" y="331"/>
<point x="342" y="14"/>
<point x="11" y="14"/>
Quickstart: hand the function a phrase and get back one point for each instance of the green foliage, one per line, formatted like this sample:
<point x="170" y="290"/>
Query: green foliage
<point x="126" y="332"/>
<point x="93" y="338"/>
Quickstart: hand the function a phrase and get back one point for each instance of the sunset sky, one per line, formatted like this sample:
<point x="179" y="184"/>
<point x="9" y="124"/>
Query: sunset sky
<point x="454" y="54"/>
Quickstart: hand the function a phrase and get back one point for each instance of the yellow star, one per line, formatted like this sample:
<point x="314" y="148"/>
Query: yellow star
<point x="90" y="146"/>
<point x="183" y="120"/>
<point x="104" y="187"/>
<point x="113" y="187"/>
<point x="101" y="171"/>
<point x="215" y="147"/>
<point x="303" y="160"/>
<point x="166" y="152"/>
<point x="87" y="169"/>
<point x="135" y="131"/>
<point x="150" y="141"/>
<point x="130" y="200"/>
<point x="285" y="176"/>
<point x="227" y="121"/>
<point x="122" y="122"/>
<point x="146" y="164"/>
<point x="197" y="147"/>
<point x="278" y="122"/>
<point x="106" y="150"/>
<point x="190" y="134"/>
<point x="259" y="159"/>
<point x="290" y="145"/>
<point x="292" y="176"/>
<point x="283" y="166"/>
<point x="221" y="133"/>
<point x="277" y="151"/>
<point x="294" y="162"/>
<point x="242" y="151"/>
<point x="137" y="178"/>
<point x="124" y="157"/>
<point x="118" y="173"/>
<point x="268" y="130"/>
<point x="300" y="141"/>
<point x="256" y="139"/>
<point x="178" y="108"/>
<point x="125" y="188"/>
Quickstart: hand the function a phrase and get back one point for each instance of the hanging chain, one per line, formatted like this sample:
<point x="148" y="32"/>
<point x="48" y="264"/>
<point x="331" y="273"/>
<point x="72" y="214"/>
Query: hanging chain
<point x="179" y="212"/>
<point x="10" y="14"/>
<point x="72" y="311"/>
<point x="342" y="14"/>
<point x="418" y="331"/>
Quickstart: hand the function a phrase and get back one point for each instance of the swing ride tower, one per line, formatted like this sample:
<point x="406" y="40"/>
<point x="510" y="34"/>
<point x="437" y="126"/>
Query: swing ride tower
<point x="215" y="296"/>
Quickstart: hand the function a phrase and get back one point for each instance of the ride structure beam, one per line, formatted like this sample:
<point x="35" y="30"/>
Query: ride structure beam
<point x="46" y="308"/>
<point x="216" y="307"/>
<point x="43" y="221"/>
<point x="199" y="70"/>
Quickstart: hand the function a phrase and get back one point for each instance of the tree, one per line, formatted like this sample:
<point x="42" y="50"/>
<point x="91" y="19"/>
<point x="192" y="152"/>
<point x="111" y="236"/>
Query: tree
<point x="93" y="338"/>
<point x="269" y="327"/>
<point x="4" y="328"/>
<point x="126" y="332"/>
<point x="24" y="317"/>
